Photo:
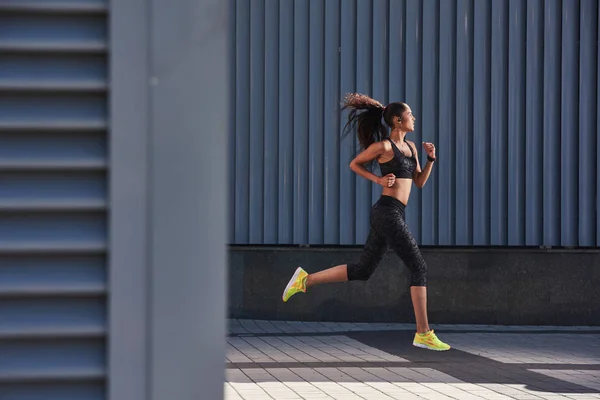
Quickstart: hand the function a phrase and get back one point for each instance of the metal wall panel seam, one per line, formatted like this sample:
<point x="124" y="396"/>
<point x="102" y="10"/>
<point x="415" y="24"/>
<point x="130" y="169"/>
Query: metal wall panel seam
<point x="271" y="118"/>
<point x="598" y="135"/>
<point x="481" y="122"/>
<point x="569" y="123"/>
<point x="587" y="122"/>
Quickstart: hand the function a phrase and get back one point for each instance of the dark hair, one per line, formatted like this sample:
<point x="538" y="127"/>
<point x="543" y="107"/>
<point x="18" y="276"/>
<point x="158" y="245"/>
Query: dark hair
<point x="366" y="114"/>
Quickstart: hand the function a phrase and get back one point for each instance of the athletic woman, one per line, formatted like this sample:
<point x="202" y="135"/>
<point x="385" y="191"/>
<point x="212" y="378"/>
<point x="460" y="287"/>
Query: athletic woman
<point x="399" y="164"/>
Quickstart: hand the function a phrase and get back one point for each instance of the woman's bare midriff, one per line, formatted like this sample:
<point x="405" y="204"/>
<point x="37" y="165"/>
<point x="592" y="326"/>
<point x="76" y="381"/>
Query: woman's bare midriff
<point x="400" y="190"/>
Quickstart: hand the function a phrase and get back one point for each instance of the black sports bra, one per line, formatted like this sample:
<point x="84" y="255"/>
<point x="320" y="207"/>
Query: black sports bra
<point x="401" y="166"/>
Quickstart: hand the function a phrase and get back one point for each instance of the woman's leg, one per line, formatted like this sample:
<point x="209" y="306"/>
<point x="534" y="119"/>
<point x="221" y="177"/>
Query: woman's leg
<point x="405" y="246"/>
<point x="418" y="294"/>
<point x="339" y="273"/>
<point x="373" y="251"/>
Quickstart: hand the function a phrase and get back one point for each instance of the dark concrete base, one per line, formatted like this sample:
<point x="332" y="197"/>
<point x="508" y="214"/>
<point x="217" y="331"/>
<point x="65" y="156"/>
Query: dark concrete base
<point x="466" y="286"/>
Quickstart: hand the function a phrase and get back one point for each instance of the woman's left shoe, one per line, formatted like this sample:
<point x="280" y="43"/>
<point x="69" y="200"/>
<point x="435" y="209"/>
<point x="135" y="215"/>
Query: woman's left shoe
<point x="429" y="341"/>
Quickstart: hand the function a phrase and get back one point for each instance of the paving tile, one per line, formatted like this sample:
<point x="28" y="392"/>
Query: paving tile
<point x="298" y="360"/>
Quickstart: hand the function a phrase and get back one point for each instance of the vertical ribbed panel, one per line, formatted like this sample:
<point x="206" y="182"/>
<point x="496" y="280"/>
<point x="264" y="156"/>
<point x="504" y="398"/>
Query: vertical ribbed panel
<point x="481" y="122"/>
<point x="446" y="117"/>
<point x="300" y="121"/>
<point x="464" y="118"/>
<point x="242" y="123"/>
<point x="53" y="166"/>
<point x="587" y="121"/>
<point x="271" y="112"/>
<point x="499" y="126"/>
<point x="364" y="73"/>
<point x="347" y="182"/>
<point x="569" y="123"/>
<point x="517" y="15"/>
<point x="507" y="91"/>
<point x="552" y="154"/>
<point x="258" y="110"/>
<point x="428" y="120"/>
<point x="315" y="122"/>
<point x="285" y="133"/>
<point x="534" y="123"/>
<point x="331" y="122"/>
<point x="597" y="136"/>
<point x="414" y="22"/>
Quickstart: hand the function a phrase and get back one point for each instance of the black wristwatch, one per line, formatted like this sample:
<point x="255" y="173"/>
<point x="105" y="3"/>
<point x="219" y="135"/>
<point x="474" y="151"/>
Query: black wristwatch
<point x="430" y="158"/>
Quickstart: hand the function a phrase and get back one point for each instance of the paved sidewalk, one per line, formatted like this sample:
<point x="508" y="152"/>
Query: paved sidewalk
<point x="297" y="360"/>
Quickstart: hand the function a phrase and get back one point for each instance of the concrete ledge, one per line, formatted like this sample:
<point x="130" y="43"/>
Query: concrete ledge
<point x="466" y="286"/>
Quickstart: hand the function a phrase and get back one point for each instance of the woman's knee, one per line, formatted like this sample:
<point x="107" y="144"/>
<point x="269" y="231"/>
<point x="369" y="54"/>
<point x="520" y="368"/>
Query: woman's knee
<point x="360" y="271"/>
<point x="418" y="273"/>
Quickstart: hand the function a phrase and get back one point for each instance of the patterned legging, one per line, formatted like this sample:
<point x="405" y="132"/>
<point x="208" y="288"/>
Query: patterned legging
<point x="388" y="229"/>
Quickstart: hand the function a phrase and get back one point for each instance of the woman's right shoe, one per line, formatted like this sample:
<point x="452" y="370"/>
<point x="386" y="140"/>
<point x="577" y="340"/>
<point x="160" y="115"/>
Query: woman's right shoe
<point x="296" y="284"/>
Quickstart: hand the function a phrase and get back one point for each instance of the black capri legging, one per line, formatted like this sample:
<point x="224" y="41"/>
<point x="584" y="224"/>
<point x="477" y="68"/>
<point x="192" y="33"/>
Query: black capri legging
<point x="388" y="228"/>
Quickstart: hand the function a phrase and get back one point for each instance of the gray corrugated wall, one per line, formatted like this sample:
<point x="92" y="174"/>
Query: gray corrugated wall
<point x="53" y="165"/>
<point x="507" y="90"/>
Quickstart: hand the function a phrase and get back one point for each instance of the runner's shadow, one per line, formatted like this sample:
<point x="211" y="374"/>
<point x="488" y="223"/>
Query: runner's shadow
<point x="472" y="368"/>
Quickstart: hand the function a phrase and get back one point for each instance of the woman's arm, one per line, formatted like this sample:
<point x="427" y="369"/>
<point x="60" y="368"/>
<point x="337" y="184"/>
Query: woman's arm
<point x="371" y="153"/>
<point x="420" y="177"/>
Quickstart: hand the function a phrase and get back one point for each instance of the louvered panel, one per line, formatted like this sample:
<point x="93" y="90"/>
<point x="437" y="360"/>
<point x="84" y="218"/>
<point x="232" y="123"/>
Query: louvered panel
<point x="505" y="89"/>
<point x="60" y="276"/>
<point x="93" y="390"/>
<point x="53" y="199"/>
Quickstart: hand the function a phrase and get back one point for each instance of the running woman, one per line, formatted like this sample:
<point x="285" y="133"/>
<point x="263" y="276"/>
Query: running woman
<point x="399" y="163"/>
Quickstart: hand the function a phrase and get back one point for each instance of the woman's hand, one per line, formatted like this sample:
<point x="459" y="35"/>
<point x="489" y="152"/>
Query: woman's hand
<point x="387" y="181"/>
<point x="429" y="149"/>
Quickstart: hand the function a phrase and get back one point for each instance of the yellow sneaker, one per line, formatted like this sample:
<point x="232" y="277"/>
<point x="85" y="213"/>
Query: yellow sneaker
<point x="429" y="341"/>
<point x="296" y="284"/>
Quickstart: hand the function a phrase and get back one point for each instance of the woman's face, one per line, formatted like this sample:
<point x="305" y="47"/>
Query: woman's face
<point x="407" y="121"/>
